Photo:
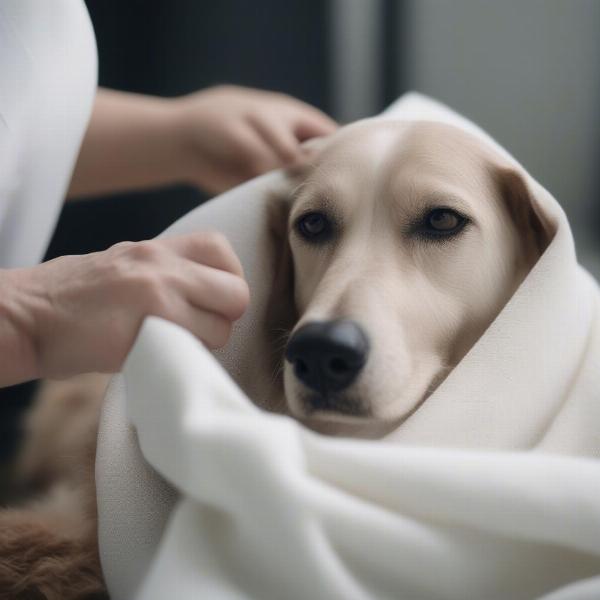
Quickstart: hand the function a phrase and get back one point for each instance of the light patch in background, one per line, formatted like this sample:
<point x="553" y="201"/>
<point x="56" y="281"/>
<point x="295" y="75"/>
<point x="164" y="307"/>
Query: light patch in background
<point x="356" y="55"/>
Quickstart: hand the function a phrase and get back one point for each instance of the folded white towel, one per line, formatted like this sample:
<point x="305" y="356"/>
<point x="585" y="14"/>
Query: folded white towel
<point x="504" y="503"/>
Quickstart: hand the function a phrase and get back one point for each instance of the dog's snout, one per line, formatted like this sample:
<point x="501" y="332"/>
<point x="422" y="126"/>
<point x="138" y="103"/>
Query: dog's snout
<point x="328" y="355"/>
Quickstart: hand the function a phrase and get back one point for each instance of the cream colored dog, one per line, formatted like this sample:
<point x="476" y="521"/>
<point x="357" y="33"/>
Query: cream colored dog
<point x="399" y="244"/>
<point x="406" y="240"/>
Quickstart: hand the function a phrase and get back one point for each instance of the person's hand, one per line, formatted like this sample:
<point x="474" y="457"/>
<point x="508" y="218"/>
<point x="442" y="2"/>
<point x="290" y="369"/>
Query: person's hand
<point x="230" y="134"/>
<point x="80" y="314"/>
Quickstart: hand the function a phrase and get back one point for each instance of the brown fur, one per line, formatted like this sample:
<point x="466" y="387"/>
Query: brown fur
<point x="49" y="556"/>
<point x="49" y="546"/>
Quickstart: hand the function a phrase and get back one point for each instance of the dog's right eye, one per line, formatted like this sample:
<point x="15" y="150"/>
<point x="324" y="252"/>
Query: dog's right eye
<point x="313" y="226"/>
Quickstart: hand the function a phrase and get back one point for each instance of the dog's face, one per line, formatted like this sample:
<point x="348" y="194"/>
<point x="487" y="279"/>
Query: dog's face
<point x="406" y="240"/>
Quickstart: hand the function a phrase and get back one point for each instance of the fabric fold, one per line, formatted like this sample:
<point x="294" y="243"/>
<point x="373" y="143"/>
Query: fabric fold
<point x="271" y="510"/>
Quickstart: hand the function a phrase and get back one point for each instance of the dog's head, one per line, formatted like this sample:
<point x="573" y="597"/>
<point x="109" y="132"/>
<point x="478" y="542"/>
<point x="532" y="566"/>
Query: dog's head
<point x="398" y="243"/>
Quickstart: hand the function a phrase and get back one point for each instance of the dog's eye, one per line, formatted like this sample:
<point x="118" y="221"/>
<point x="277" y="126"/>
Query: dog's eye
<point x="442" y="222"/>
<point x="313" y="226"/>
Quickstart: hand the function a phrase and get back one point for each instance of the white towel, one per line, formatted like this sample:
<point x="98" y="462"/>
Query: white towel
<point x="491" y="490"/>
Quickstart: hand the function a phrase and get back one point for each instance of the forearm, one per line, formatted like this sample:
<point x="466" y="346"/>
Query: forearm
<point x="132" y="142"/>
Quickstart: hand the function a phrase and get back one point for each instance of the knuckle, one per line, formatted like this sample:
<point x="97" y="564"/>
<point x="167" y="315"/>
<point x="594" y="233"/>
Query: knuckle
<point x="216" y="241"/>
<point x="122" y="246"/>
<point x="116" y="254"/>
<point x="225" y="88"/>
<point x="279" y="96"/>
<point x="144" y="251"/>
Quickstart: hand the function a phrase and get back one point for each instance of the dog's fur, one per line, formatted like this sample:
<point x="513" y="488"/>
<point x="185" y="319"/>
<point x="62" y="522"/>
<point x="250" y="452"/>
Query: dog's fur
<point x="48" y="545"/>
<point x="423" y="304"/>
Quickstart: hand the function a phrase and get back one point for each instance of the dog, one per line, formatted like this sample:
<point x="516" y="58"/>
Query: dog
<point x="397" y="245"/>
<point x="401" y="242"/>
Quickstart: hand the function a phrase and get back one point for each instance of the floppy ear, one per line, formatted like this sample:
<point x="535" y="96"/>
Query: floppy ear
<point x="534" y="227"/>
<point x="280" y="312"/>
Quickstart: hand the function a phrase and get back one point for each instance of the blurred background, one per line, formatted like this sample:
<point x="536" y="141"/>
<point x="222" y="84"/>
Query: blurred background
<point x="528" y="72"/>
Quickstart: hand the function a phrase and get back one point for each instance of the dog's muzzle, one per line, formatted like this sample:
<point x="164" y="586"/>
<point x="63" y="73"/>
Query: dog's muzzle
<point x="327" y="356"/>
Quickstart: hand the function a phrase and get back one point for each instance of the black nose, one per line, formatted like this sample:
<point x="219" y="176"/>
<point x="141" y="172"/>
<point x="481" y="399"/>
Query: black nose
<point x="328" y="355"/>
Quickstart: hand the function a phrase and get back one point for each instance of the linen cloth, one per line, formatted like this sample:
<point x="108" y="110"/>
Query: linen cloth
<point x="491" y="490"/>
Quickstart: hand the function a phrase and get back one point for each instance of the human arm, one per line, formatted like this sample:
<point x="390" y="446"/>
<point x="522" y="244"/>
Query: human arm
<point x="214" y="139"/>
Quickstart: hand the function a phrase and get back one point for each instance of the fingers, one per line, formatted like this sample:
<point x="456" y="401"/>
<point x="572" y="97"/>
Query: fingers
<point x="204" y="300"/>
<point x="278" y="135"/>
<point x="313" y="124"/>
<point x="256" y="156"/>
<point x="208" y="274"/>
<point x="215" y="291"/>
<point x="234" y="134"/>
<point x="284" y="133"/>
<point x="212" y="329"/>
<point x="210" y="248"/>
<point x="309" y="122"/>
<point x="198" y="272"/>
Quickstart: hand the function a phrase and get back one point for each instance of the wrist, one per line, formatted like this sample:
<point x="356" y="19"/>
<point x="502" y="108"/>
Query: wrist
<point x="182" y="151"/>
<point x="187" y="120"/>
<point x="171" y="125"/>
<point x="18" y="346"/>
<point x="162" y="145"/>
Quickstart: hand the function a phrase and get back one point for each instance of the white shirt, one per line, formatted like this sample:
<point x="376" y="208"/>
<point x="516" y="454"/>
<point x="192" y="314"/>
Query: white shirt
<point x="48" y="78"/>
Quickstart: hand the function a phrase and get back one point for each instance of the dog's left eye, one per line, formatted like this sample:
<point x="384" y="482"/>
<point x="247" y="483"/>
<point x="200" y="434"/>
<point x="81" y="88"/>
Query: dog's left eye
<point x="313" y="226"/>
<point x="442" y="222"/>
